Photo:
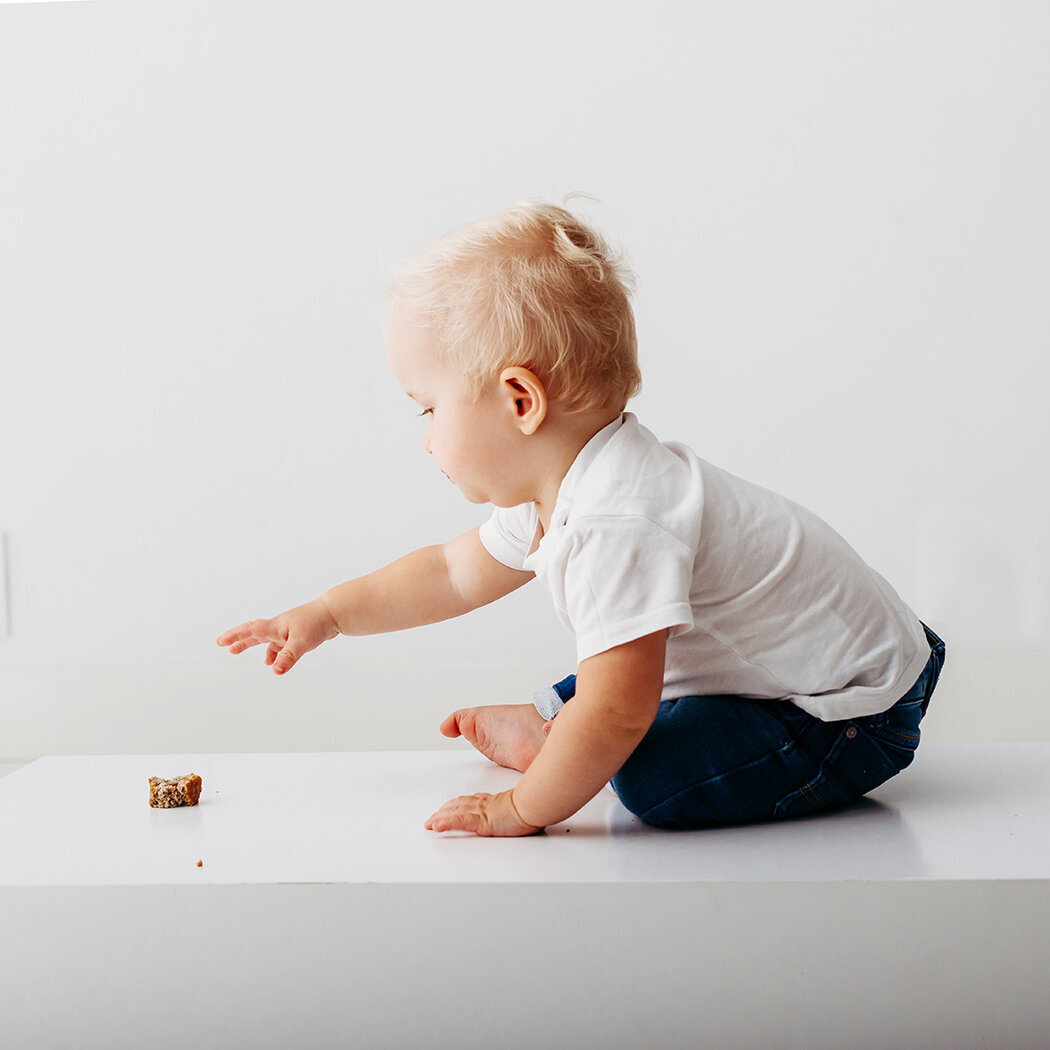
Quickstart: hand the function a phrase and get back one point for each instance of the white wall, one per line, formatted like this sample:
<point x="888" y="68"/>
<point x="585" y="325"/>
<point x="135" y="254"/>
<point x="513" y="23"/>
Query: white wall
<point x="839" y="219"/>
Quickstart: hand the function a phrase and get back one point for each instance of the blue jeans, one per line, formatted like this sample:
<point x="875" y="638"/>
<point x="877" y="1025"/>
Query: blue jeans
<point x="711" y="760"/>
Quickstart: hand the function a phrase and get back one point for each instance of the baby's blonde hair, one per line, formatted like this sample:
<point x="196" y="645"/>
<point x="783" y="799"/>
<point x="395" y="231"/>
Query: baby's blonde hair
<point x="532" y="286"/>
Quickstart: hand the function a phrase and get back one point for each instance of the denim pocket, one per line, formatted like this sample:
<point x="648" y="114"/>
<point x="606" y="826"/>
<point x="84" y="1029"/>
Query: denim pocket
<point x="856" y="764"/>
<point x="897" y="730"/>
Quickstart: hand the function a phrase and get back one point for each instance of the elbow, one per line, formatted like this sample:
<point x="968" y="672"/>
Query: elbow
<point x="632" y="721"/>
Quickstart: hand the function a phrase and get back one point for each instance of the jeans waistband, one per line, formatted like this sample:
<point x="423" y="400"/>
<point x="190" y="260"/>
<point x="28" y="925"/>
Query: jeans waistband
<point x="936" y="645"/>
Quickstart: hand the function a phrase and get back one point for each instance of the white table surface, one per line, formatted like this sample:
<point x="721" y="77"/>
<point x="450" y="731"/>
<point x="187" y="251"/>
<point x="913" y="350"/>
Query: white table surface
<point x="960" y="812"/>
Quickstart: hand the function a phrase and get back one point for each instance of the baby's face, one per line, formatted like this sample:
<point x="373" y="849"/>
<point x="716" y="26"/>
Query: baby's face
<point x="472" y="439"/>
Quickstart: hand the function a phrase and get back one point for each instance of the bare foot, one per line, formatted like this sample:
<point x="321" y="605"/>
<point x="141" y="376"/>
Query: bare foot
<point x="510" y="735"/>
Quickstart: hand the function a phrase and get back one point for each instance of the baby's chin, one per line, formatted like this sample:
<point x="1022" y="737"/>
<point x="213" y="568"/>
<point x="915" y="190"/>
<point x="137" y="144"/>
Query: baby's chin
<point x="477" y="497"/>
<point x="474" y="497"/>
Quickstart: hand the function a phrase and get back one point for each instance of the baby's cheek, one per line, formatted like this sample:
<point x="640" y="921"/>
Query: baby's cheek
<point x="455" y="455"/>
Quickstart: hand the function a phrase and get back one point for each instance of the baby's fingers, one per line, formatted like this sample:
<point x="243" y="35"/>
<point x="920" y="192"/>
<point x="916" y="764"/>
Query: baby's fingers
<point x="281" y="659"/>
<point x="235" y="634"/>
<point x="238" y="639"/>
<point x="243" y="644"/>
<point x="458" y="814"/>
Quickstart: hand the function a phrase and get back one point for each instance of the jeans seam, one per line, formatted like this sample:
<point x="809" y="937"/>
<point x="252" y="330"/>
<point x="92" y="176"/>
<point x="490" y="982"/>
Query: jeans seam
<point x="809" y="790"/>
<point x="899" y="734"/>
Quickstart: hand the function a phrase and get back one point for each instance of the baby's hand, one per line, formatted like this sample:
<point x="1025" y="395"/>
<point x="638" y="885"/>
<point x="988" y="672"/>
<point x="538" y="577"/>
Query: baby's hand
<point x="482" y="814"/>
<point x="287" y="637"/>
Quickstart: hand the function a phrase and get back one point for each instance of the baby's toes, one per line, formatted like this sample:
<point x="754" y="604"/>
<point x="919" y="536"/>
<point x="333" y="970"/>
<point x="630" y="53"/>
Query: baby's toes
<point x="476" y="731"/>
<point x="450" y="727"/>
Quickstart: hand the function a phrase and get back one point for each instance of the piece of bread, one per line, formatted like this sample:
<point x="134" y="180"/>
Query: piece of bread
<point x="179" y="791"/>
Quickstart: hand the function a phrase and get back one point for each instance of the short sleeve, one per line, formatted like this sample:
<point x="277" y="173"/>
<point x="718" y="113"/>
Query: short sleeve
<point x="508" y="534"/>
<point x="626" y="577"/>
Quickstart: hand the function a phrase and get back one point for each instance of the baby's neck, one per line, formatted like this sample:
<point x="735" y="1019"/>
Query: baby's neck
<point x="569" y="433"/>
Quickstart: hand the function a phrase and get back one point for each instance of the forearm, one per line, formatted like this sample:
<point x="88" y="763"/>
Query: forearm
<point x="410" y="592"/>
<point x="428" y="585"/>
<point x="617" y="697"/>
<point x="585" y="749"/>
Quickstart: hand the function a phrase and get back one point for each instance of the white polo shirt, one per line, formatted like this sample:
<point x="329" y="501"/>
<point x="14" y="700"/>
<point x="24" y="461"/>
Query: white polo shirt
<point x="759" y="596"/>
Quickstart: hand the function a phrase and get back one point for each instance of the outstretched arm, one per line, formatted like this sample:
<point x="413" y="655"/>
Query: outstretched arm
<point x="617" y="698"/>
<point x="428" y="585"/>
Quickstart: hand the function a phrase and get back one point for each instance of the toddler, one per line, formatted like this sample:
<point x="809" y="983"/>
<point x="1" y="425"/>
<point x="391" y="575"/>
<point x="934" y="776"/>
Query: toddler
<point x="736" y="659"/>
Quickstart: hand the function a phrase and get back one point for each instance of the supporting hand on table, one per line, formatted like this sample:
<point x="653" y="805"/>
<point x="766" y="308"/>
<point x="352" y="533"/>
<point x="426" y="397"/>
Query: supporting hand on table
<point x="482" y="814"/>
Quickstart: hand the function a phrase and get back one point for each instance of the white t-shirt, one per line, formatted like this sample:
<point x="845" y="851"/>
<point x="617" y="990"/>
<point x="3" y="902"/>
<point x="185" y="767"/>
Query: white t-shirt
<point x="759" y="596"/>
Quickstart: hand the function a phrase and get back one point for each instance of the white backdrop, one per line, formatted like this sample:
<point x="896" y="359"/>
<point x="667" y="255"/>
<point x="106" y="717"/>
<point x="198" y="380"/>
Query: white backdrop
<point x="839" y="220"/>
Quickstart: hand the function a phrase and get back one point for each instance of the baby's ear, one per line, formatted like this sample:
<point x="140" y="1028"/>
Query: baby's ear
<point x="525" y="396"/>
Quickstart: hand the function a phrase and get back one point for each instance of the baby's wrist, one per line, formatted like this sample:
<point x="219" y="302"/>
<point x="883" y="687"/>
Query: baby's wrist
<point x="325" y="610"/>
<point x="517" y="812"/>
